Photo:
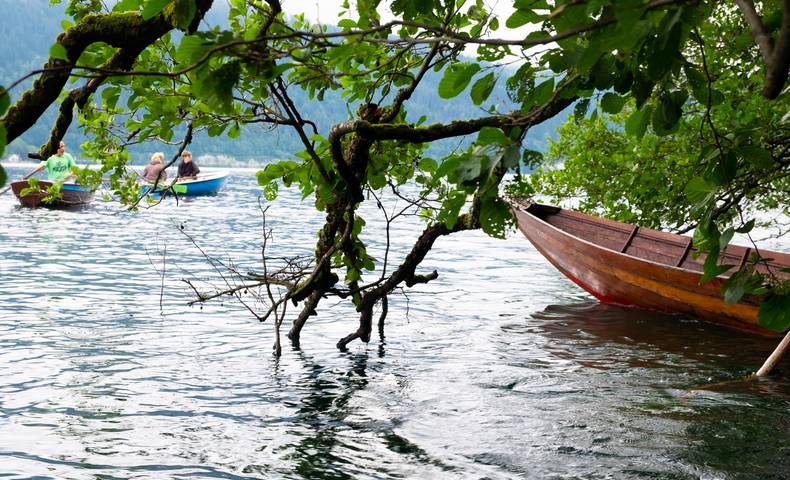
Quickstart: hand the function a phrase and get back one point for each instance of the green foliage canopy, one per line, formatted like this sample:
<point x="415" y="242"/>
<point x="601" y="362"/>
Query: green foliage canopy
<point x="711" y="154"/>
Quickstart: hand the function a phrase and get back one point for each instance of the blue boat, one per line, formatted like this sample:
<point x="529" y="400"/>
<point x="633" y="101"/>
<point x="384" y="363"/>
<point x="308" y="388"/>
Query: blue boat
<point x="204" y="184"/>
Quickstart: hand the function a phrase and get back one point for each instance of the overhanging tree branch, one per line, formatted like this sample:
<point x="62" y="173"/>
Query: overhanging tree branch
<point x="776" y="55"/>
<point x="127" y="31"/>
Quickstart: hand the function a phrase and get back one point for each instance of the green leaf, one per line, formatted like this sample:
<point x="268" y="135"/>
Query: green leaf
<point x="515" y="133"/>
<point x="456" y="78"/>
<point x="185" y="12"/>
<point x="668" y="114"/>
<point x="270" y="191"/>
<point x="495" y="217"/>
<point x="698" y="189"/>
<point x="468" y="169"/>
<point x="589" y="57"/>
<point x="641" y="89"/>
<point x="637" y="122"/>
<point x="580" y="110"/>
<point x="532" y="158"/>
<point x="153" y="8"/>
<point x="278" y="70"/>
<point x="5" y="100"/>
<point x="774" y="313"/>
<point x="191" y="49"/>
<point x="3" y="176"/>
<point x="706" y="236"/>
<point x="612" y="103"/>
<point x="428" y="165"/>
<point x="3" y="138"/>
<point x="729" y="164"/>
<point x="58" y="51"/>
<point x="604" y="73"/>
<point x="711" y="270"/>
<point x="735" y="286"/>
<point x="234" y="131"/>
<point x="482" y="88"/>
<point x="699" y="86"/>
<point x="347" y="23"/>
<point x="489" y="135"/>
<point x="511" y="156"/>
<point x="216" y="129"/>
<point x="446" y="168"/>
<point x="522" y="17"/>
<point x="352" y="275"/>
<point x="494" y="24"/>
<point x="110" y="96"/>
<point x="377" y="180"/>
<point x="127" y="5"/>
<point x="275" y="171"/>
<point x="747" y="227"/>
<point x="698" y="82"/>
<point x="448" y="214"/>
<point x="756" y="155"/>
<point x="725" y="170"/>
<point x="538" y="95"/>
<point x="725" y="238"/>
<point x="216" y="90"/>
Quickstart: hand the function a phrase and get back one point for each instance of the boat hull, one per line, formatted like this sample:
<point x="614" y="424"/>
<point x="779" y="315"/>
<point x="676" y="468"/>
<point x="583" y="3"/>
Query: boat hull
<point x="615" y="277"/>
<point x="72" y="195"/>
<point x="203" y="185"/>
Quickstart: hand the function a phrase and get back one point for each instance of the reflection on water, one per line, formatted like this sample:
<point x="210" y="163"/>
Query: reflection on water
<point x="499" y="369"/>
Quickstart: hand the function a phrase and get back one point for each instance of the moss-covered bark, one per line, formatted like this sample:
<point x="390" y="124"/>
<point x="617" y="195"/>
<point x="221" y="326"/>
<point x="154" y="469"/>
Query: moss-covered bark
<point x="127" y="31"/>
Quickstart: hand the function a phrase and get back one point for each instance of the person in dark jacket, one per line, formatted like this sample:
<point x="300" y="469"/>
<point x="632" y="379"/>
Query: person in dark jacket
<point x="187" y="169"/>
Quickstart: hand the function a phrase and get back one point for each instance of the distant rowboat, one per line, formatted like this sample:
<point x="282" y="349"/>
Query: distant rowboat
<point x="71" y="195"/>
<point x="208" y="184"/>
<point x="624" y="264"/>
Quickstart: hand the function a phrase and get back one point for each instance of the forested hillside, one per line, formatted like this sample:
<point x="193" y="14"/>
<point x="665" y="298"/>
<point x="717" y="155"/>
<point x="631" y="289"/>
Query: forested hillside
<point x="29" y="28"/>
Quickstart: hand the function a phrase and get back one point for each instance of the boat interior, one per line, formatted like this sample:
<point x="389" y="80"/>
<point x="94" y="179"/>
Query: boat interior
<point x="661" y="247"/>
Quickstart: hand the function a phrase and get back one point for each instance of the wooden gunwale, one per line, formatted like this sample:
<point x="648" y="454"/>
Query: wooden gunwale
<point x="593" y="244"/>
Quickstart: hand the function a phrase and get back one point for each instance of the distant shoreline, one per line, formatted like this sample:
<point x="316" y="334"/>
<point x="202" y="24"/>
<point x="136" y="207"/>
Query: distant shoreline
<point x="137" y="168"/>
<point x="209" y="161"/>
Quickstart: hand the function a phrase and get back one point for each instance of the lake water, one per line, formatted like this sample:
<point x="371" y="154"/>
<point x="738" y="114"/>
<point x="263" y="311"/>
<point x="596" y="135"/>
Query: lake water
<point x="501" y="368"/>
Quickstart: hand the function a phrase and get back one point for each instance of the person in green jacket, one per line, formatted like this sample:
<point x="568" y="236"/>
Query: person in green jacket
<point x="58" y="165"/>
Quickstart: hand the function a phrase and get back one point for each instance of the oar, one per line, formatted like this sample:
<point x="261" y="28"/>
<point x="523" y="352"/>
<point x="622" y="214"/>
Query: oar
<point x="30" y="155"/>
<point x="769" y="365"/>
<point x="774" y="358"/>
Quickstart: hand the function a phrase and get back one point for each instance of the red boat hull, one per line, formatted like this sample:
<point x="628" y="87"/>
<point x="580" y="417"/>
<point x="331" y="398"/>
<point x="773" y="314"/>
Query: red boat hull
<point x="621" y="264"/>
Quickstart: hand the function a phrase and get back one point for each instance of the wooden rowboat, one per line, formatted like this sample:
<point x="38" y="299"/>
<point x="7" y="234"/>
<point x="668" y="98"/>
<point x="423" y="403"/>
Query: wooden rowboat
<point x="71" y="195"/>
<point x="624" y="264"/>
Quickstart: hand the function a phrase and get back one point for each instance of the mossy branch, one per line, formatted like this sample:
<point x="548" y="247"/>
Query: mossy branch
<point x="127" y="31"/>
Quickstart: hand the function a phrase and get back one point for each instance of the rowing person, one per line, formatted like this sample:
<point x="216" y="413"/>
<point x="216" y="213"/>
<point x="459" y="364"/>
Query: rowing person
<point x="58" y="165"/>
<point x="187" y="169"/>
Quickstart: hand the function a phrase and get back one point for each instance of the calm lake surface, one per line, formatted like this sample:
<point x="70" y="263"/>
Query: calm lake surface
<point x="501" y="368"/>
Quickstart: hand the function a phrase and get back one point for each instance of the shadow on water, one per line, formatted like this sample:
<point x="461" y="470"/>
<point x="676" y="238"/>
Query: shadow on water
<point x="674" y="379"/>
<point x="655" y="337"/>
<point x="340" y="440"/>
